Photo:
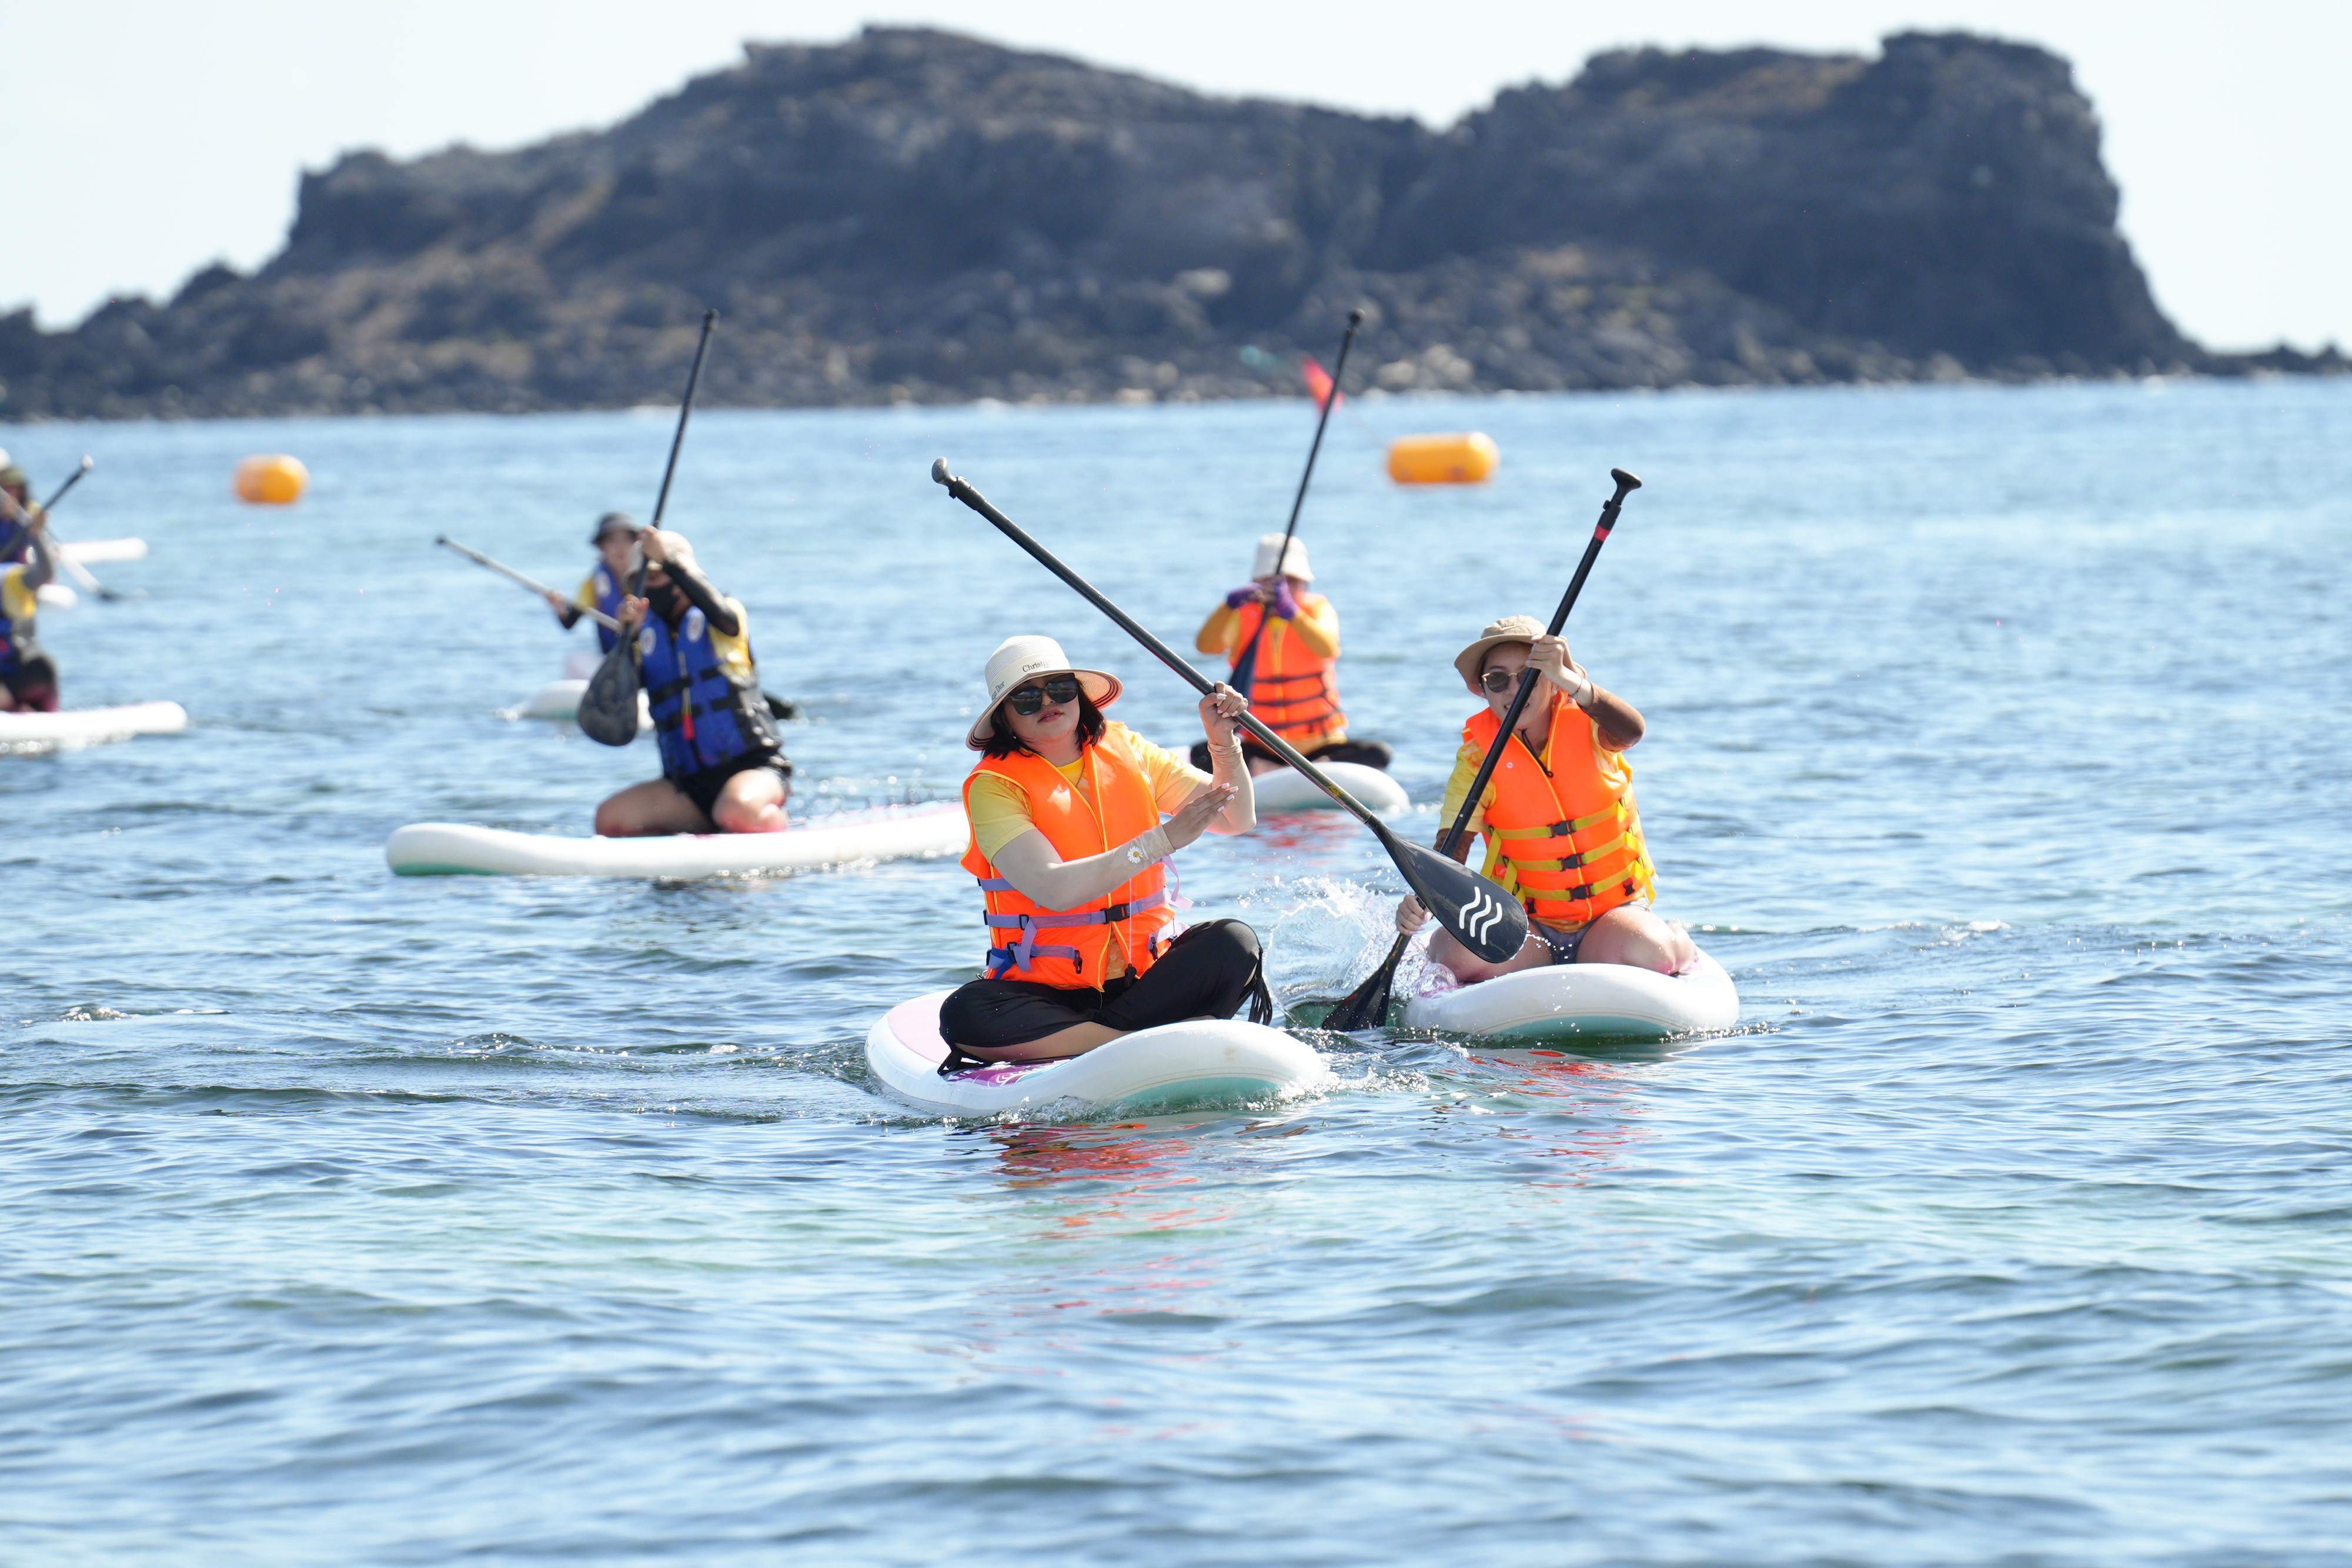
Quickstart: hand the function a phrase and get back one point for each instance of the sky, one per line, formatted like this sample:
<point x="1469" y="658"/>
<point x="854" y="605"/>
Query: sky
<point x="144" y="140"/>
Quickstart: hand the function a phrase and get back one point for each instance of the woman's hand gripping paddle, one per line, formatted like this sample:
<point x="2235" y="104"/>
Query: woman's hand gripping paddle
<point x="608" y="708"/>
<point x="1367" y="1004"/>
<point x="1481" y="915"/>
<point x="1246" y="668"/>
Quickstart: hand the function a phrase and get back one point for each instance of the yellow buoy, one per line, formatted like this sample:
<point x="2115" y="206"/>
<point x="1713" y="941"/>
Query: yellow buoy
<point x="1467" y="458"/>
<point x="272" y="480"/>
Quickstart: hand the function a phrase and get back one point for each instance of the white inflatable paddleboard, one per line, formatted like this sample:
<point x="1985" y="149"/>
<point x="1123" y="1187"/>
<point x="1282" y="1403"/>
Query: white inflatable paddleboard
<point x="97" y="552"/>
<point x="1571" y="1001"/>
<point x="89" y="725"/>
<point x="1198" y="1062"/>
<point x="848" y="838"/>
<point x="1288" y="790"/>
<point x="559" y="700"/>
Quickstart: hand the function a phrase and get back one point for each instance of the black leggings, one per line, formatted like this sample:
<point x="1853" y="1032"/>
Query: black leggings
<point x="1206" y="973"/>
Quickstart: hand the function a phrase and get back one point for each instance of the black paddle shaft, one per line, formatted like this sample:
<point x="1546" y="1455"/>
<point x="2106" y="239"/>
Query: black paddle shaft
<point x="1244" y="667"/>
<point x="1626" y="486"/>
<point x="71" y="480"/>
<point x="677" y="441"/>
<point x="1482" y="916"/>
<point x="608" y="708"/>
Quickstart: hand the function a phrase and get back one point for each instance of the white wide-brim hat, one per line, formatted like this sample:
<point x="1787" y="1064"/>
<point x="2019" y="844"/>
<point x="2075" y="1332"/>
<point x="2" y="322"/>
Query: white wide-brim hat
<point x="1020" y="660"/>
<point x="1294" y="561"/>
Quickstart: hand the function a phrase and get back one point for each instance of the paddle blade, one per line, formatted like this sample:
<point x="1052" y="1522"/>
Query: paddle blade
<point x="608" y="708"/>
<point x="1367" y="1007"/>
<point x="1479" y="913"/>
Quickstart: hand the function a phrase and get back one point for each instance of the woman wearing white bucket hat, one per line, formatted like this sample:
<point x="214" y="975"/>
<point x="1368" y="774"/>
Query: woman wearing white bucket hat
<point x="1289" y="636"/>
<point x="1068" y="843"/>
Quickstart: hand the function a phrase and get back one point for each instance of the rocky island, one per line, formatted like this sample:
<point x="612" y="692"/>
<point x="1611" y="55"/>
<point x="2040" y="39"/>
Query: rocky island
<point x="914" y="215"/>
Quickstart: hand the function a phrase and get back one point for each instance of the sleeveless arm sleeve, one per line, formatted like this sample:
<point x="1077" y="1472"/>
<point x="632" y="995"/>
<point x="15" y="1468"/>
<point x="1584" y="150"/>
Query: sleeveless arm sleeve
<point x="716" y="607"/>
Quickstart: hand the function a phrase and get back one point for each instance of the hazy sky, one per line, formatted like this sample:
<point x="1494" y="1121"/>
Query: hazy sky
<point x="144" y="140"/>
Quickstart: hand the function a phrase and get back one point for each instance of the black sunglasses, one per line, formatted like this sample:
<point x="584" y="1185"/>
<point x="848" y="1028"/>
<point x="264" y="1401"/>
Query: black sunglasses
<point x="1030" y="700"/>
<point x="1498" y="682"/>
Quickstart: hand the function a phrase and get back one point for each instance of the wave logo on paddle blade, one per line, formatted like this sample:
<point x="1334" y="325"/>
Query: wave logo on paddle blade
<point x="1479" y="915"/>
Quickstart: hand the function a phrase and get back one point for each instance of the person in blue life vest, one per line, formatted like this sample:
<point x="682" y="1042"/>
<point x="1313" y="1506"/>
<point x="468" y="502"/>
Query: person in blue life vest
<point x="28" y="679"/>
<point x="18" y="514"/>
<point x="604" y="589"/>
<point x="723" y="765"/>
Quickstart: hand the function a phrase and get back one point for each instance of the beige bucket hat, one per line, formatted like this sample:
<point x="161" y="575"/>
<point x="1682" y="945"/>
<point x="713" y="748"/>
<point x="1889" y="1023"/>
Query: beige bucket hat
<point x="1294" y="563"/>
<point x="1020" y="660"/>
<point x="1471" y="660"/>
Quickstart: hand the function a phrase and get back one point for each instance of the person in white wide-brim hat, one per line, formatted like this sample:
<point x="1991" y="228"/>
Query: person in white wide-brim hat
<point x="1281" y="640"/>
<point x="1070" y="846"/>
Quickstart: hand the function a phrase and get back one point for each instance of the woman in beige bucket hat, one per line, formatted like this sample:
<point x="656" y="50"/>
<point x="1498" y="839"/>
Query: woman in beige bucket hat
<point x="1068" y="843"/>
<point x="1559" y="816"/>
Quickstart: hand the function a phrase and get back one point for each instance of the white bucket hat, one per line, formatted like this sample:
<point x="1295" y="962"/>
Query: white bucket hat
<point x="1294" y="563"/>
<point x="1020" y="660"/>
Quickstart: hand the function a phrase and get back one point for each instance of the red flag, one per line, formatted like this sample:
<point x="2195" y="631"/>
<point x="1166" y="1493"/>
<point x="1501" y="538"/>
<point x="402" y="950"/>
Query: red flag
<point x="1318" y="380"/>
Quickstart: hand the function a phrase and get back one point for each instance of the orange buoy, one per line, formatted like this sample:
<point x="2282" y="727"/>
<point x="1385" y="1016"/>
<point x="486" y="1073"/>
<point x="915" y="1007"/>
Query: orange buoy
<point x="1467" y="458"/>
<point x="272" y="480"/>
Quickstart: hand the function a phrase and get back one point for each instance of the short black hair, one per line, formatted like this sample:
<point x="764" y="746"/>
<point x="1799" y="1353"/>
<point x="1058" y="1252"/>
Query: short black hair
<point x="1003" y="742"/>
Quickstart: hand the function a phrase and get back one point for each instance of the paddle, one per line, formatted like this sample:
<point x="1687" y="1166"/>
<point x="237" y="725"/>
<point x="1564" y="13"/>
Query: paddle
<point x="1367" y="1004"/>
<point x="1246" y="668"/>
<point x="1482" y="916"/>
<point x="79" y="573"/>
<point x="511" y="575"/>
<point x="608" y="708"/>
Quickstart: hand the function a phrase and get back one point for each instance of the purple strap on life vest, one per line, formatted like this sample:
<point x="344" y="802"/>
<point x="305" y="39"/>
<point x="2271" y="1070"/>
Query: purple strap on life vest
<point x="1020" y="954"/>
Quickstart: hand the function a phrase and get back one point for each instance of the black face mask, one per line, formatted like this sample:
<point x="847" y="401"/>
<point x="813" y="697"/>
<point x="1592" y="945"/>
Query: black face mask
<point x="668" y="600"/>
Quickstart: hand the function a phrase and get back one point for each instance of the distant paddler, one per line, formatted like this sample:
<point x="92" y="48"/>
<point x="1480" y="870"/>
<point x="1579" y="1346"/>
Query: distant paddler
<point x="1288" y="635"/>
<point x="18" y="512"/>
<point x="1563" y="831"/>
<point x="601" y="592"/>
<point x="29" y="677"/>
<point x="723" y="765"/>
<point x="1067" y="841"/>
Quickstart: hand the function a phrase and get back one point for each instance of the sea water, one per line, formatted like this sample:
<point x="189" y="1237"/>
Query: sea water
<point x="1997" y="745"/>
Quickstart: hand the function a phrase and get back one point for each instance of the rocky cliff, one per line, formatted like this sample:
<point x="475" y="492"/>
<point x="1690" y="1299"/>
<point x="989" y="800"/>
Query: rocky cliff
<point x="917" y="215"/>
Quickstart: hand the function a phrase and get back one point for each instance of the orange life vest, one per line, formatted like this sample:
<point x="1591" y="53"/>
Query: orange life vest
<point x="1138" y="910"/>
<point x="1292" y="688"/>
<point x="1567" y="841"/>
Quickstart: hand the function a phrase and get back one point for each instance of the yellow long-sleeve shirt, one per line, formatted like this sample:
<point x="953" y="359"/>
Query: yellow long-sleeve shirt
<point x="1316" y="627"/>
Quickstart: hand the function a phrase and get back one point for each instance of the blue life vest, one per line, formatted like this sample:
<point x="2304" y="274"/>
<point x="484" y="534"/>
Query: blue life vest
<point x="701" y="717"/>
<point x="15" y="542"/>
<point x="16" y="642"/>
<point x="609" y="595"/>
